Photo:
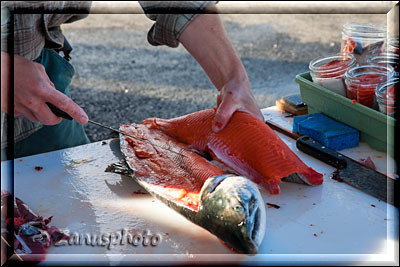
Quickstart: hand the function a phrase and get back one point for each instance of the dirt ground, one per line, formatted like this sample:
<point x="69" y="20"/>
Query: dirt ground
<point x="121" y="78"/>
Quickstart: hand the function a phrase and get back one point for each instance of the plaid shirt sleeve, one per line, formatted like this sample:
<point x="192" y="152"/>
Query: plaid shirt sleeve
<point x="171" y="18"/>
<point x="40" y="26"/>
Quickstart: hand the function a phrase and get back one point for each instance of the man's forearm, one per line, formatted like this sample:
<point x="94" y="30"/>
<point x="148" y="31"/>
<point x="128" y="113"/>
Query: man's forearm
<point x="207" y="41"/>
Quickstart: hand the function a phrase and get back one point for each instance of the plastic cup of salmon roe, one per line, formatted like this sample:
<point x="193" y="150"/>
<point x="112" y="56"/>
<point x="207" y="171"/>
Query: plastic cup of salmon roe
<point x="362" y="40"/>
<point x="329" y="71"/>
<point x="361" y="82"/>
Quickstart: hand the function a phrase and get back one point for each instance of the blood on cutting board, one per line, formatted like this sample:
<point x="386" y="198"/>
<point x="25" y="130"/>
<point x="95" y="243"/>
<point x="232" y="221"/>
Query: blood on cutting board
<point x="273" y="206"/>
<point x="38" y="168"/>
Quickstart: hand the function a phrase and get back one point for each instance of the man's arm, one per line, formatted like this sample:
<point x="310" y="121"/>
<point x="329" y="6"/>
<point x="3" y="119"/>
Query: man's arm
<point x="204" y="37"/>
<point x="207" y="41"/>
<point x="32" y="89"/>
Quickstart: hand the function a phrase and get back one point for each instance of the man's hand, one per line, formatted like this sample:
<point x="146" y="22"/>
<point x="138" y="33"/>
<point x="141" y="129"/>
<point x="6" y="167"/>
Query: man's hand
<point x="234" y="96"/>
<point x="207" y="41"/>
<point x="32" y="89"/>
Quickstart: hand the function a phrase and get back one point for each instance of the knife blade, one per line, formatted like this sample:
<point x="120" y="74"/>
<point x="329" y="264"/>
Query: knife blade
<point x="58" y="112"/>
<point x="348" y="170"/>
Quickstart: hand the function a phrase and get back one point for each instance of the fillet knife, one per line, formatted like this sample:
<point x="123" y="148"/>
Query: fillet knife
<point x="58" y="112"/>
<point x="348" y="170"/>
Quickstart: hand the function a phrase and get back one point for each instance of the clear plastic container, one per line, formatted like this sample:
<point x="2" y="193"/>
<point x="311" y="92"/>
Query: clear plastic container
<point x="393" y="45"/>
<point x="361" y="82"/>
<point x="329" y="71"/>
<point x="363" y="40"/>
<point x="385" y="58"/>
<point x="386" y="96"/>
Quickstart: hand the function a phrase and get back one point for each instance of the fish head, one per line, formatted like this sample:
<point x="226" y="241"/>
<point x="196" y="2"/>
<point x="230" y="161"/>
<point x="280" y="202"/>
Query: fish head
<point x="231" y="207"/>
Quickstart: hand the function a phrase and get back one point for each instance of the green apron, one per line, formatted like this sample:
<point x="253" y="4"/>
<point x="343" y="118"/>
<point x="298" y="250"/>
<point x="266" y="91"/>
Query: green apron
<point x="66" y="133"/>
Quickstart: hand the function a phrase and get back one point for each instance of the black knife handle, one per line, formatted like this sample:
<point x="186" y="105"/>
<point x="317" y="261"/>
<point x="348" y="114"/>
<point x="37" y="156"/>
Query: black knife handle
<point x="58" y="112"/>
<point x="320" y="152"/>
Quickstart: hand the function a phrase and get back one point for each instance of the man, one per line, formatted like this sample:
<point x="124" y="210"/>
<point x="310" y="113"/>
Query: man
<point x="41" y="75"/>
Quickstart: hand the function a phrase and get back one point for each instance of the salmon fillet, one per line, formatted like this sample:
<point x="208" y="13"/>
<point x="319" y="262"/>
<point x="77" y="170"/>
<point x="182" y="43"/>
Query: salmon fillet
<point x="246" y="145"/>
<point x="178" y="177"/>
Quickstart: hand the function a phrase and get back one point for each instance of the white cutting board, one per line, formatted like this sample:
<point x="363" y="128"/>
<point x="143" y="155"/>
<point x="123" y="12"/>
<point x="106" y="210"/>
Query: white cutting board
<point x="332" y="222"/>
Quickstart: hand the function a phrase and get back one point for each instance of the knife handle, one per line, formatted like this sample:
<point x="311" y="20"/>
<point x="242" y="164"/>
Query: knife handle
<point x="58" y="112"/>
<point x="320" y="152"/>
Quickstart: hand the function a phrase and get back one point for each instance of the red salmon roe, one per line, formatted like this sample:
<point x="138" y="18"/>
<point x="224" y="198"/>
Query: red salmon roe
<point x="362" y="81"/>
<point x="335" y="64"/>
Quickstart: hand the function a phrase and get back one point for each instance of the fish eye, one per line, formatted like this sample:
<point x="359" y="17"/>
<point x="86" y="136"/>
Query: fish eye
<point x="238" y="208"/>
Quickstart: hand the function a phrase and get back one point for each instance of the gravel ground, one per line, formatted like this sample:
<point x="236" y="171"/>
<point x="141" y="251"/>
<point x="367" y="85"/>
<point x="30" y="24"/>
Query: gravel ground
<point x="121" y="78"/>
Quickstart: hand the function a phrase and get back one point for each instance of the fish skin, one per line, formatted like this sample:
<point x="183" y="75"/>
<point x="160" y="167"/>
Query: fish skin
<point x="229" y="206"/>
<point x="247" y="145"/>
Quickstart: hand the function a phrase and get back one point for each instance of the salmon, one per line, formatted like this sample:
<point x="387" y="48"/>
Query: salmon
<point x="180" y="177"/>
<point x="229" y="206"/>
<point x="246" y="145"/>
